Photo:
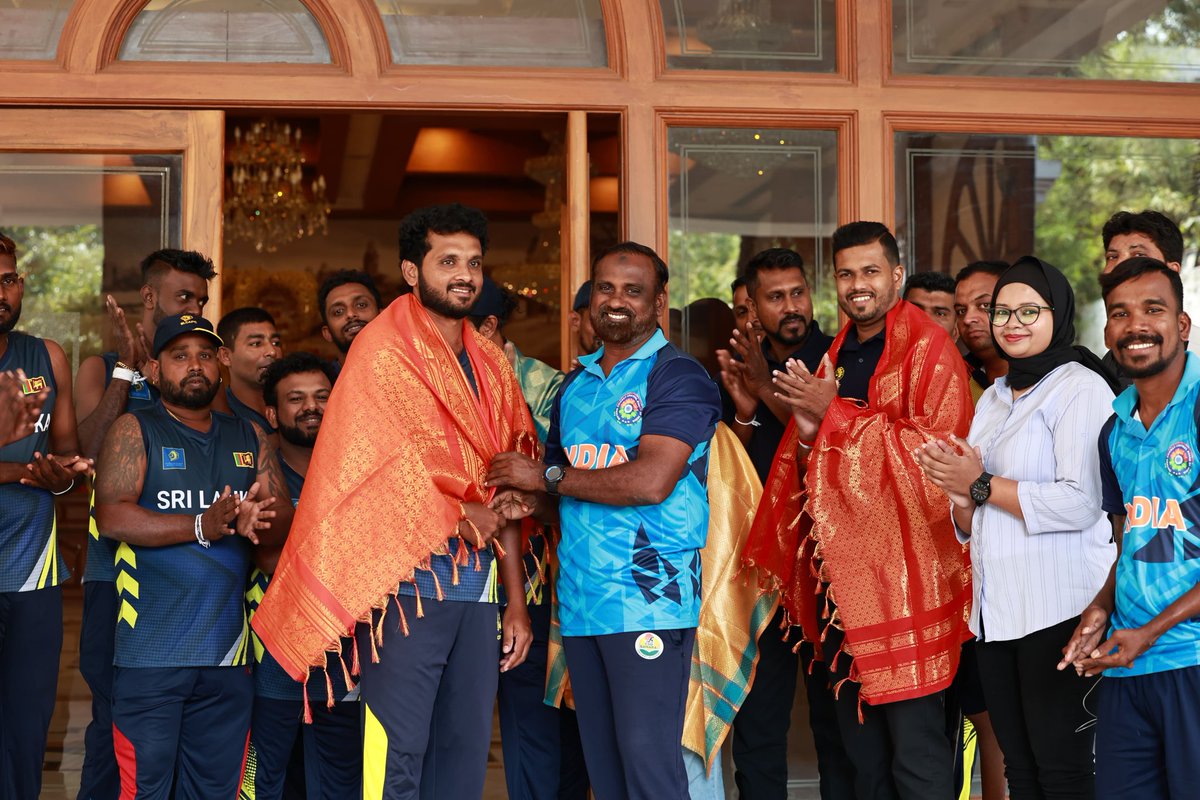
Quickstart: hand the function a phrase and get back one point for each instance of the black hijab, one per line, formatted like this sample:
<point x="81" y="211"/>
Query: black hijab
<point x="1054" y="287"/>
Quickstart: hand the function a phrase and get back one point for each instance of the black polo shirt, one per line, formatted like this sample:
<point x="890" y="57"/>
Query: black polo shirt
<point x="764" y="441"/>
<point x="856" y="364"/>
<point x="766" y="437"/>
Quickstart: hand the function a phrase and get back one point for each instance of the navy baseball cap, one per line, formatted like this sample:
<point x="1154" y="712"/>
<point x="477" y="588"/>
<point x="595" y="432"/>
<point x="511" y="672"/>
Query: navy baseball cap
<point x="489" y="303"/>
<point x="583" y="298"/>
<point x="172" y="328"/>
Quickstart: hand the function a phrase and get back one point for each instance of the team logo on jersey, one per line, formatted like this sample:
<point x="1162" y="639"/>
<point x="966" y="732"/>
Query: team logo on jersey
<point x="838" y="373"/>
<point x="173" y="458"/>
<point x="1179" y="459"/>
<point x="629" y="408"/>
<point x="649" y="646"/>
<point x="243" y="460"/>
<point x="33" y="385"/>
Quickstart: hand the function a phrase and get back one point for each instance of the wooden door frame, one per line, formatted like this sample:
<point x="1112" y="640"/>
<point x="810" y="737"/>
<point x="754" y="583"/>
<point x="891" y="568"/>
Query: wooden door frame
<point x="197" y="136"/>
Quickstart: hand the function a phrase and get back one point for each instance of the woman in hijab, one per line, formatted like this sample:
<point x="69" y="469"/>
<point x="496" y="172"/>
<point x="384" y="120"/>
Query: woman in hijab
<point x="1025" y="493"/>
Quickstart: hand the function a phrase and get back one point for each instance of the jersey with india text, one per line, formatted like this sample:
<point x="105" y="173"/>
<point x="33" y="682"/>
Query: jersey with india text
<point x="1151" y="476"/>
<point x="633" y="568"/>
<point x="182" y="605"/>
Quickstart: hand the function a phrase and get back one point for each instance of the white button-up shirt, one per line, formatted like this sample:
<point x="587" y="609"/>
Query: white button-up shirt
<point x="1031" y="574"/>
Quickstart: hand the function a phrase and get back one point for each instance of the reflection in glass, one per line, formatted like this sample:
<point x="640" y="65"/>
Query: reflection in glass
<point x="29" y="30"/>
<point x="764" y="35"/>
<point x="966" y="197"/>
<point x="734" y="192"/>
<point x="83" y="223"/>
<point x="518" y="33"/>
<point x="226" y="31"/>
<point x="1147" y="40"/>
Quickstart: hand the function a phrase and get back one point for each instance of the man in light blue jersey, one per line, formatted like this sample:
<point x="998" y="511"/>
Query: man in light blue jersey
<point x="626" y="469"/>
<point x="1148" y="708"/>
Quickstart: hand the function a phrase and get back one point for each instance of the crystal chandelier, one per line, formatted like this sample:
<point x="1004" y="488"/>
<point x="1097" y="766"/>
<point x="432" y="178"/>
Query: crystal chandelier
<point x="266" y="201"/>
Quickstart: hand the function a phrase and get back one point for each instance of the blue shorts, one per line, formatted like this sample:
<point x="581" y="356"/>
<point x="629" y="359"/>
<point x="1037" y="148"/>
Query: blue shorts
<point x="1148" y="735"/>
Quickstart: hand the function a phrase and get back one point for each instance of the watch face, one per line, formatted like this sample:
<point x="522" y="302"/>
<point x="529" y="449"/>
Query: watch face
<point x="981" y="489"/>
<point x="554" y="473"/>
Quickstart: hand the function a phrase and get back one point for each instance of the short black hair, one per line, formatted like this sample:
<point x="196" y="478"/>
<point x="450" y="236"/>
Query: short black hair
<point x="635" y="249"/>
<point x="1136" y="267"/>
<point x="857" y="234"/>
<point x="994" y="268"/>
<point x="7" y="246"/>
<point x="929" y="281"/>
<point x="293" y="364"/>
<point x="737" y="283"/>
<point x="771" y="259"/>
<point x="341" y="278"/>
<point x="160" y="261"/>
<point x="446" y="220"/>
<point x="231" y="324"/>
<point x="1160" y="228"/>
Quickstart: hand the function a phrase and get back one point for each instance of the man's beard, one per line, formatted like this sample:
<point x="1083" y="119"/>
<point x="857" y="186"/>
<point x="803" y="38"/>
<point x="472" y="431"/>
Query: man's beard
<point x="294" y="434"/>
<point x="440" y="303"/>
<point x="14" y="318"/>
<point x="1148" y="370"/>
<point x="620" y="333"/>
<point x="788" y="340"/>
<point x="194" y="398"/>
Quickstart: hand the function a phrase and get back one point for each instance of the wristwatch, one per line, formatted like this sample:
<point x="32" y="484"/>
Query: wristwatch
<point x="981" y="489"/>
<point x="552" y="477"/>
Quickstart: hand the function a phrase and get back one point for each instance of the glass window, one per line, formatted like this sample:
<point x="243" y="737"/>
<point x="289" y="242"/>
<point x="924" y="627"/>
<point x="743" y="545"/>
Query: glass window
<point x="968" y="197"/>
<point x="772" y="35"/>
<point x="517" y="33"/>
<point x="226" y="31"/>
<point x="1147" y="40"/>
<point x="734" y="192"/>
<point x="82" y="227"/>
<point x="29" y="29"/>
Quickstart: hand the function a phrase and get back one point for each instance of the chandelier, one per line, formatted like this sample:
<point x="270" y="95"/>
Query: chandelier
<point x="266" y="201"/>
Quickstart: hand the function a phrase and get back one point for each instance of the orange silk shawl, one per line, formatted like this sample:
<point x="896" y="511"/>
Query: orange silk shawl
<point x="404" y="443"/>
<point x="866" y="521"/>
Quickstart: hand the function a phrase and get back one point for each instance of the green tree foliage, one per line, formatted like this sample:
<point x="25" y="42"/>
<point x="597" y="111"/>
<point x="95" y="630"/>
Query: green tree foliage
<point x="63" y="267"/>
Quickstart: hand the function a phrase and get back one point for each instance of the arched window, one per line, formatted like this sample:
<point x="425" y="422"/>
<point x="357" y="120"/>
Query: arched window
<point x="515" y="33"/>
<point x="29" y="31"/>
<point x="795" y="36"/>
<point x="226" y="31"/>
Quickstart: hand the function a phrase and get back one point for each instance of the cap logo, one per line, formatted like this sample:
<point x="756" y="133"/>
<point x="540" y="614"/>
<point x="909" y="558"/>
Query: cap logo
<point x="186" y="319"/>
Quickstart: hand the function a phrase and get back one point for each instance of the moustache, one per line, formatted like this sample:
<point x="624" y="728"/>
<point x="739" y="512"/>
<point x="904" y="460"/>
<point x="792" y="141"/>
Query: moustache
<point x="469" y="286"/>
<point x="5" y="307"/>
<point x="793" y="318"/>
<point x="611" y="310"/>
<point x="1139" y="338"/>
<point x="311" y="415"/>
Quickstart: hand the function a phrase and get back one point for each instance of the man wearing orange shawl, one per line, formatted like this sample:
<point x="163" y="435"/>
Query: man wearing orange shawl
<point x="394" y="518"/>
<point x="867" y="561"/>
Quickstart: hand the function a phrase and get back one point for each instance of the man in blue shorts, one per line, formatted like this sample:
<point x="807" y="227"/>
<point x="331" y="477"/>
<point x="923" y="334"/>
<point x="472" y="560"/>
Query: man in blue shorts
<point x="1148" y="707"/>
<point x="31" y="570"/>
<point x="173" y="481"/>
<point x="296" y="389"/>
<point x="108" y="385"/>
<point x="627" y="465"/>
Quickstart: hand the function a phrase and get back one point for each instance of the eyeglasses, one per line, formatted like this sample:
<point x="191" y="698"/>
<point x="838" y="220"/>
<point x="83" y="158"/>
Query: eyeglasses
<point x="9" y="280"/>
<point x="1026" y="314"/>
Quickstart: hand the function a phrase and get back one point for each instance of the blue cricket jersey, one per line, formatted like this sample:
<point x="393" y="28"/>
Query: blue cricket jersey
<point x="1151" y="476"/>
<point x="182" y="605"/>
<point x="101" y="551"/>
<point x="633" y="568"/>
<point x="29" y="557"/>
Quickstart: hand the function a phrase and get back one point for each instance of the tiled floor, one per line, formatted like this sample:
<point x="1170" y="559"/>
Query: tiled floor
<point x="64" y="755"/>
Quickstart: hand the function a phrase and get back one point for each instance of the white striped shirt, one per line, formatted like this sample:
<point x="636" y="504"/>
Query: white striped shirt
<point x="1031" y="574"/>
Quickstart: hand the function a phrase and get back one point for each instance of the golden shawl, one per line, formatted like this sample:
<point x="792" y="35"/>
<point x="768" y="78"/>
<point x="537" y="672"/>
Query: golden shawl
<point x="873" y="527"/>
<point x="733" y="614"/>
<point x="404" y="443"/>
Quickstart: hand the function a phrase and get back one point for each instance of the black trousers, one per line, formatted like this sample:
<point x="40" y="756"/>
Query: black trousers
<point x="901" y="750"/>
<point x="760" y="729"/>
<point x="1039" y="715"/>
